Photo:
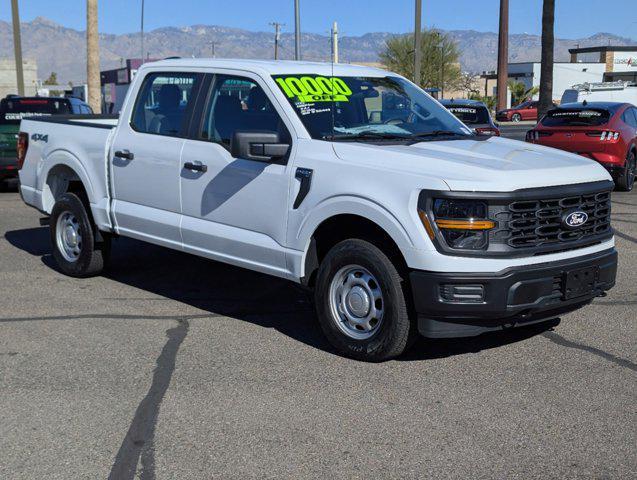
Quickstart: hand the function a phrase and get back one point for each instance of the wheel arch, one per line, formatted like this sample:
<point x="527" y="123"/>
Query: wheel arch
<point x="63" y="173"/>
<point x="342" y="226"/>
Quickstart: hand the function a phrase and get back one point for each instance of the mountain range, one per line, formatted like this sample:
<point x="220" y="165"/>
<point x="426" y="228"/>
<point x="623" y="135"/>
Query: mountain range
<point x="60" y="49"/>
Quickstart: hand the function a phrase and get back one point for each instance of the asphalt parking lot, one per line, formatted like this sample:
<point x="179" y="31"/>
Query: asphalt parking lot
<point x="171" y="366"/>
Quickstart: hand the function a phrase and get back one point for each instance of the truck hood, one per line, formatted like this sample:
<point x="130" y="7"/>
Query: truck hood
<point x="493" y="165"/>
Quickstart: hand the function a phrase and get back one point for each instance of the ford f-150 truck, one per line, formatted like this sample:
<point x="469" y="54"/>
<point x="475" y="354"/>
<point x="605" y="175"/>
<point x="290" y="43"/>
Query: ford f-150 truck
<point x="349" y="180"/>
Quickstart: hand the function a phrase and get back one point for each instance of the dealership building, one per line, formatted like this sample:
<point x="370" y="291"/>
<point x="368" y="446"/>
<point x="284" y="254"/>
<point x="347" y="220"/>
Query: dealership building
<point x="591" y="64"/>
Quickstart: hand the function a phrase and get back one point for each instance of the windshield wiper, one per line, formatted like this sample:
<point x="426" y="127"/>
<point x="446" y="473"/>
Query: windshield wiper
<point x="439" y="133"/>
<point x="368" y="135"/>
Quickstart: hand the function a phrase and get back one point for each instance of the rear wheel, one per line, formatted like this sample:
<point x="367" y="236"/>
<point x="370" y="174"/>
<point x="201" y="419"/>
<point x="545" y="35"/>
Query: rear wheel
<point x="75" y="248"/>
<point x="361" y="304"/>
<point x="626" y="179"/>
<point x="516" y="117"/>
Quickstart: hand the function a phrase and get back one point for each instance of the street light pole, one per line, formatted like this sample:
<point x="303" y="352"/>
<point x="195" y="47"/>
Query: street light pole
<point x="297" y="31"/>
<point x="503" y="54"/>
<point x="417" y="42"/>
<point x="17" y="47"/>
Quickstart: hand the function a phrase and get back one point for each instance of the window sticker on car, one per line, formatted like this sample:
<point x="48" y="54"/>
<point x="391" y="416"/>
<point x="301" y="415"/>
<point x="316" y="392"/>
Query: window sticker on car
<point x="21" y="115"/>
<point x="463" y="110"/>
<point x="313" y="89"/>
<point x="575" y="113"/>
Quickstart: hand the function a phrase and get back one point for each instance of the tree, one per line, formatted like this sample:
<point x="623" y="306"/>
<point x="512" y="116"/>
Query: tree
<point x="519" y="92"/>
<point x="546" y="68"/>
<point x="53" y="80"/>
<point x="468" y="83"/>
<point x="490" y="102"/>
<point x="440" y="67"/>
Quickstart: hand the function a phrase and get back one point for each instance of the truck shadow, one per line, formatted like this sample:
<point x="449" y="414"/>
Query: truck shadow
<point x="224" y="290"/>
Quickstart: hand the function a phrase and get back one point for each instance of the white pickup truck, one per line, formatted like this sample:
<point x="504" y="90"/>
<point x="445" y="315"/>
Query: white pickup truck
<point x="349" y="180"/>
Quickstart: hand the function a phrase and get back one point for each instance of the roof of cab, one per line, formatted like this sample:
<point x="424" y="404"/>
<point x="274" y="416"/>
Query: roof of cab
<point x="272" y="67"/>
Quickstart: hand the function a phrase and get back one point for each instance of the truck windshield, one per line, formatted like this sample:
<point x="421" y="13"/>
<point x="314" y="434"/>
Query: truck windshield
<point x="342" y="108"/>
<point x="12" y="110"/>
<point x="575" y="117"/>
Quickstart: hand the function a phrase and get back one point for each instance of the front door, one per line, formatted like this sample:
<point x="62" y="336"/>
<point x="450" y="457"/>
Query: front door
<point x="235" y="209"/>
<point x="145" y="159"/>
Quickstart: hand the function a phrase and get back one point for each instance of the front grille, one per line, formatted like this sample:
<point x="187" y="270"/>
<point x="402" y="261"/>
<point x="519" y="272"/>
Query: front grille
<point x="537" y="223"/>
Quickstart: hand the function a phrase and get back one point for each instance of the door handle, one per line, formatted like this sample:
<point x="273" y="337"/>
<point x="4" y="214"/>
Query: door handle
<point x="125" y="154"/>
<point x="197" y="167"/>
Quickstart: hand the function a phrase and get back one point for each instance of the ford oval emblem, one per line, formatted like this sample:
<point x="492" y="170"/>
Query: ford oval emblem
<point x="575" y="219"/>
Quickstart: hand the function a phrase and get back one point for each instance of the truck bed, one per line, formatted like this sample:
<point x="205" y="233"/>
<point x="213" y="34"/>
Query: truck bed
<point x="77" y="141"/>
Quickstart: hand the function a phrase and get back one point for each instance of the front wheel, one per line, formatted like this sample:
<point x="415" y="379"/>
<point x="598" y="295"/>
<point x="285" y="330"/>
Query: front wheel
<point x="75" y="248"/>
<point x="361" y="303"/>
<point x="516" y="117"/>
<point x="626" y="178"/>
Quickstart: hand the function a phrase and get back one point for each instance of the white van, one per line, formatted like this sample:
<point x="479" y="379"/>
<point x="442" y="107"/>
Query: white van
<point x="622" y="92"/>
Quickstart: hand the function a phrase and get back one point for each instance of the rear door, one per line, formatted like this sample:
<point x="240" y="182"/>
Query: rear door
<point x="530" y="111"/>
<point x="145" y="157"/>
<point x="236" y="209"/>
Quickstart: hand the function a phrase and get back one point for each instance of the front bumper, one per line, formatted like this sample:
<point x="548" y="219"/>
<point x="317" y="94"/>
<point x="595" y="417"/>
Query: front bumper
<point x="514" y="297"/>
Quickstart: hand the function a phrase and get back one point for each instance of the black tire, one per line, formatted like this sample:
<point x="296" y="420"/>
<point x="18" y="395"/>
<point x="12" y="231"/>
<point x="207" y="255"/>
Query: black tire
<point x="626" y="179"/>
<point x="93" y="255"/>
<point x="395" y="333"/>
<point x="516" y="117"/>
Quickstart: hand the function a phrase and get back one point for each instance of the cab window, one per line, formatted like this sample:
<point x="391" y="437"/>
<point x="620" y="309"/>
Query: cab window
<point x="238" y="104"/>
<point x="162" y="102"/>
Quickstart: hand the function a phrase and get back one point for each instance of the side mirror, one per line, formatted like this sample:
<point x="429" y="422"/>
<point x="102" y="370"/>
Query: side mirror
<point x="259" y="146"/>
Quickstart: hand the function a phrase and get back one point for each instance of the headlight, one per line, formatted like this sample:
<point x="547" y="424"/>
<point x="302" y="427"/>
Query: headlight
<point x="464" y="224"/>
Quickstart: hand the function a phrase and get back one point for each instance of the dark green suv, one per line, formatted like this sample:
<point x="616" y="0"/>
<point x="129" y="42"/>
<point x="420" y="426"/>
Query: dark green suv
<point x="14" y="108"/>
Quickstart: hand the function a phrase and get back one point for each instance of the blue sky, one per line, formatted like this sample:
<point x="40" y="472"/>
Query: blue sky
<point x="574" y="18"/>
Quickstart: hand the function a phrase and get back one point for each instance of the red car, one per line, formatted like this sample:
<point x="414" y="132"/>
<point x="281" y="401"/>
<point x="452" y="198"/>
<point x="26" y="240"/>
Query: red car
<point x="602" y="131"/>
<point x="524" y="111"/>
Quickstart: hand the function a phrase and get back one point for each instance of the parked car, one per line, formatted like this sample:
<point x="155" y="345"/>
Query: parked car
<point x="524" y="111"/>
<point x="474" y="114"/>
<point x="400" y="223"/>
<point x="602" y="131"/>
<point x="14" y="108"/>
<point x="620" y="92"/>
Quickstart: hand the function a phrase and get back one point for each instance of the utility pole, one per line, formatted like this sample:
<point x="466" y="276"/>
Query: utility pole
<point x="17" y="47"/>
<point x="503" y="55"/>
<point x="335" y="42"/>
<point x="142" y="32"/>
<point x="417" y="42"/>
<point x="297" y="31"/>
<point x="93" y="57"/>
<point x="277" y="36"/>
<point x="212" y="49"/>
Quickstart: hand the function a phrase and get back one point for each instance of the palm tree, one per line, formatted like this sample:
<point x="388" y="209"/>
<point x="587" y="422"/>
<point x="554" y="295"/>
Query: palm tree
<point x="548" y="45"/>
<point x="519" y="92"/>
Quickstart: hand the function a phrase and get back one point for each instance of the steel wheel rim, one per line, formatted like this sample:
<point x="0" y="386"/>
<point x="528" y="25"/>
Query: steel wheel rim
<point x="68" y="236"/>
<point x="356" y="302"/>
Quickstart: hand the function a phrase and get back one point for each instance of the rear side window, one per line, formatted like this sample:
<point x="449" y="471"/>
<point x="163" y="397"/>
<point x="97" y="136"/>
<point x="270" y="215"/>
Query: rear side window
<point x="162" y="102"/>
<point x="238" y="104"/>
<point x="12" y="110"/>
<point x="470" y="114"/>
<point x="576" y="118"/>
<point x="630" y="117"/>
